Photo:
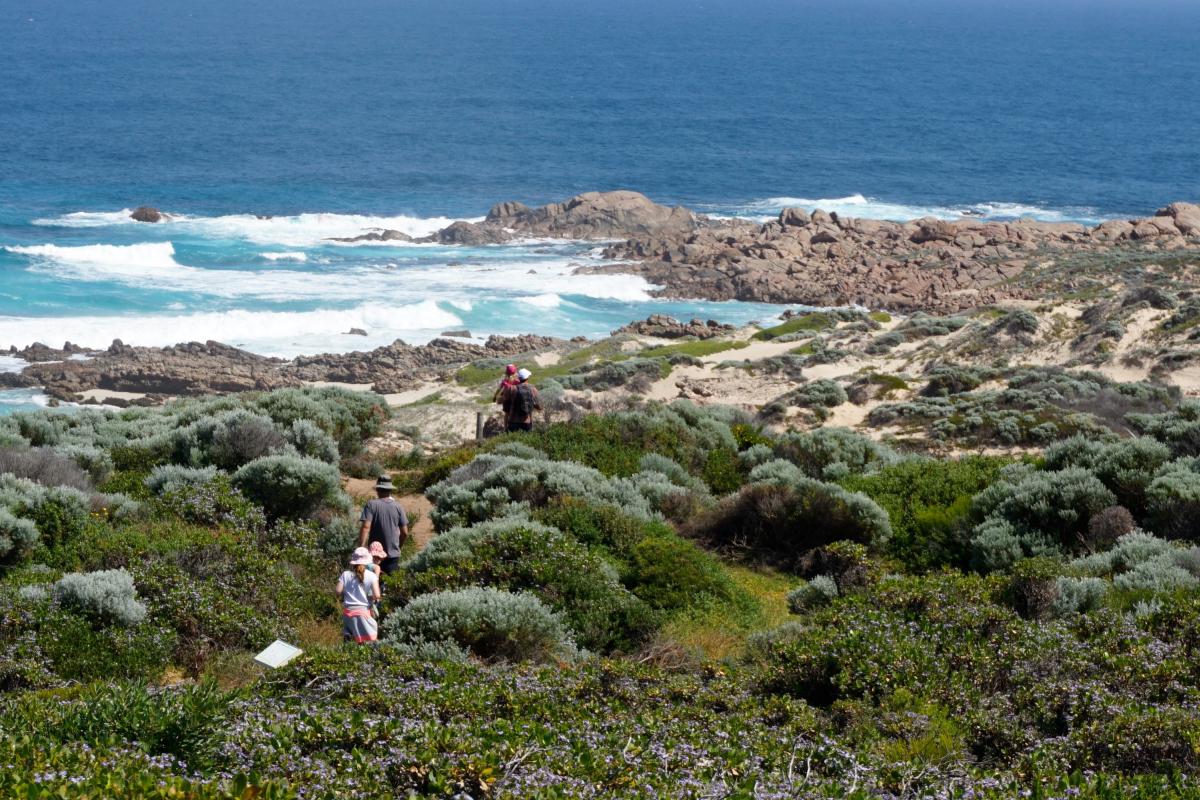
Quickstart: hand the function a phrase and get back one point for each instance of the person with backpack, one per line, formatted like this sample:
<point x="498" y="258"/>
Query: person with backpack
<point x="358" y="591"/>
<point x="519" y="403"/>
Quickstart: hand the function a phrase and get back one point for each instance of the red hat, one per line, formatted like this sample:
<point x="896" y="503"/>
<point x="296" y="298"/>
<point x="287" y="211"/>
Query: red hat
<point x="511" y="369"/>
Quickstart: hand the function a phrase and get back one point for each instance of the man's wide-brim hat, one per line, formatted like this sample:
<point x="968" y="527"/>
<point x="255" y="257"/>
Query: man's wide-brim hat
<point x="384" y="482"/>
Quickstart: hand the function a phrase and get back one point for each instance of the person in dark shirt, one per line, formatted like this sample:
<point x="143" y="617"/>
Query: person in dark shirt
<point x="384" y="521"/>
<point x="519" y="403"/>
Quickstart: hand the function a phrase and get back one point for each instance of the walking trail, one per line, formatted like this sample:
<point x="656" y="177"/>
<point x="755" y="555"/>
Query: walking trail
<point x="414" y="505"/>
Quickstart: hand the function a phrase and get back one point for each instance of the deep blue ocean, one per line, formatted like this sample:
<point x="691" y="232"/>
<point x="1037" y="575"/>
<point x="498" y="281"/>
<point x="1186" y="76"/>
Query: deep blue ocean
<point x="336" y="117"/>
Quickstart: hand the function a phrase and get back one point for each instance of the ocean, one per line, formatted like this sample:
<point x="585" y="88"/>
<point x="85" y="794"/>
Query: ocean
<point x="267" y="128"/>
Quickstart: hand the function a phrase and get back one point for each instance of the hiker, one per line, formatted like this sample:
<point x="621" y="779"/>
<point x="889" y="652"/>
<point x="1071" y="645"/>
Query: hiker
<point x="358" y="590"/>
<point x="378" y="554"/>
<point x="519" y="402"/>
<point x="510" y="379"/>
<point x="384" y="521"/>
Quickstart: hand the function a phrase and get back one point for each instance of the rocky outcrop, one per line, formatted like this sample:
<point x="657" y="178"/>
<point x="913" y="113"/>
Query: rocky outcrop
<point x="593" y="215"/>
<point x="147" y="214"/>
<point x="386" y="235"/>
<point x="38" y="352"/>
<point x="185" y="369"/>
<point x="664" y="327"/>
<point x="926" y="264"/>
<point x="397" y="366"/>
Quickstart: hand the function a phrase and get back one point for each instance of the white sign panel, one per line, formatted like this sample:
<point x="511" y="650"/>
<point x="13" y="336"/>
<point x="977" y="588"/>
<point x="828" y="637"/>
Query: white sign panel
<point x="277" y="654"/>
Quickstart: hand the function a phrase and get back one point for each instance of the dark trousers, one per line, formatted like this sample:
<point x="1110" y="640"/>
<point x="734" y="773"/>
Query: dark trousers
<point x="390" y="565"/>
<point x="513" y="427"/>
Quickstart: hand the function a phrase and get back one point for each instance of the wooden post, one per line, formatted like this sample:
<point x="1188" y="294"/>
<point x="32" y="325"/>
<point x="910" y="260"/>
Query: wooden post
<point x="479" y="426"/>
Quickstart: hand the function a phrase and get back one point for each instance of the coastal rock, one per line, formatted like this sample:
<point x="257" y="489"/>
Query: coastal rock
<point x="356" y="332"/>
<point x="386" y="235"/>
<point x="147" y="214"/>
<point x="664" y="327"/>
<point x="461" y="334"/>
<point x="593" y="215"/>
<point x="38" y="352"/>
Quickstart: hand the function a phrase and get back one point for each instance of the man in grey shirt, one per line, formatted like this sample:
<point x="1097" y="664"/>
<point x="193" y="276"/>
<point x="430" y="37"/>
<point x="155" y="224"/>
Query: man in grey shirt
<point x="383" y="521"/>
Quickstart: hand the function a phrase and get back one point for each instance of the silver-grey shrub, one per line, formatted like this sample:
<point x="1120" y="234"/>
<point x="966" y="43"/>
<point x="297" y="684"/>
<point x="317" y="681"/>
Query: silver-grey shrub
<point x="819" y="591"/>
<point x="1173" y="500"/>
<point x="17" y="536"/>
<point x="830" y="452"/>
<point x="1046" y="512"/>
<point x="108" y="596"/>
<point x="45" y="466"/>
<point x="290" y="486"/>
<point x="1079" y="595"/>
<point x="310" y="441"/>
<point x="172" y="477"/>
<point x="490" y="624"/>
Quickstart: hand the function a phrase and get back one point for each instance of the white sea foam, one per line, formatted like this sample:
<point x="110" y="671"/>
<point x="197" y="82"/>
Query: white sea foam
<point x="288" y="256"/>
<point x="22" y="399"/>
<point x="299" y="230"/>
<point x="858" y="205"/>
<point x="153" y="265"/>
<point x="12" y="363"/>
<point x="282" y="333"/>
<point x="543" y="300"/>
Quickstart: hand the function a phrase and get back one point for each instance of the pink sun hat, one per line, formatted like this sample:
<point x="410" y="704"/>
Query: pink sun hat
<point x="377" y="550"/>
<point x="361" y="556"/>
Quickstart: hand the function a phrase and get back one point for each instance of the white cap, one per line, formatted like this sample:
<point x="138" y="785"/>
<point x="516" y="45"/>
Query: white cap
<point x="524" y="374"/>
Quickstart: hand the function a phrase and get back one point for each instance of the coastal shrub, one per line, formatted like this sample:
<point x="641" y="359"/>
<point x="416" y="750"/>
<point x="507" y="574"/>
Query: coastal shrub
<point x="311" y="442"/>
<point x="516" y="554"/>
<point x="1156" y="576"/>
<point x="239" y="437"/>
<point x="884" y="343"/>
<point x="1178" y="429"/>
<point x="815" y="321"/>
<point x="1173" y="500"/>
<point x="60" y="513"/>
<point x="779" y="522"/>
<point x="947" y="380"/>
<point x="606" y="527"/>
<point x="1078" y="595"/>
<point x="107" y="596"/>
<point x="349" y="417"/>
<point x="818" y="591"/>
<point x="670" y="573"/>
<point x="214" y="503"/>
<point x="488" y="623"/>
<point x="846" y="563"/>
<point x="817" y="394"/>
<point x="832" y="453"/>
<point x="289" y="486"/>
<point x="921" y="326"/>
<point x="1106" y="527"/>
<point x="172" y="477"/>
<point x="653" y="462"/>
<point x="1017" y="322"/>
<point x="1046" y="512"/>
<point x="45" y="466"/>
<point x="1033" y="587"/>
<point x="494" y="485"/>
<point x="17" y="536"/>
<point x="637" y="373"/>
<point x="928" y="502"/>
<point x="1126" y="467"/>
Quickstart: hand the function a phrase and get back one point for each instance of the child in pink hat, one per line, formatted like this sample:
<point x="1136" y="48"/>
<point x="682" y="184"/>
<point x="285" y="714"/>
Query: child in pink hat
<point x="358" y="590"/>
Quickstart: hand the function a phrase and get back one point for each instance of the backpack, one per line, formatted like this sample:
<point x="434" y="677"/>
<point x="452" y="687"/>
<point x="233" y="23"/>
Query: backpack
<point x="523" y="402"/>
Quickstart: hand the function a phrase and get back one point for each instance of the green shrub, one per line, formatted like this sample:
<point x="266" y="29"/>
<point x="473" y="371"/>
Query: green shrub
<point x="214" y="502"/>
<point x="490" y="624"/>
<point x="815" y="321"/>
<point x="928" y="502"/>
<point x="289" y="486"/>
<point x="1033" y="588"/>
<point x="1173" y="500"/>
<point x="780" y="522"/>
<point x="1178" y="429"/>
<point x="60" y="514"/>
<point x="672" y="574"/>
<point x="516" y="554"/>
